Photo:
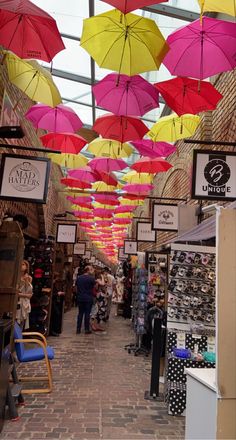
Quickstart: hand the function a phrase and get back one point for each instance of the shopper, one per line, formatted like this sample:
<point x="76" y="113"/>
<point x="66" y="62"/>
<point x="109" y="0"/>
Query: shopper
<point x="101" y="297"/>
<point x="24" y="295"/>
<point x="85" y="294"/>
<point x="110" y="284"/>
<point x="57" y="306"/>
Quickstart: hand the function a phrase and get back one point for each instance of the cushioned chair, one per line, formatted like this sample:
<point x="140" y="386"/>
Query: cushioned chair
<point x="43" y="352"/>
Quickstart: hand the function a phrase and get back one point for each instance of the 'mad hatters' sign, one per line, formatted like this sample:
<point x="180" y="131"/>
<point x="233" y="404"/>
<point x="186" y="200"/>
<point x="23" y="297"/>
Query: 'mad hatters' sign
<point x="214" y="175"/>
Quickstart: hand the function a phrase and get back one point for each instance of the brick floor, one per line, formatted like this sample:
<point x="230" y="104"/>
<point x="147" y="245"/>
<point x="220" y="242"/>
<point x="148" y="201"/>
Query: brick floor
<point x="98" y="392"/>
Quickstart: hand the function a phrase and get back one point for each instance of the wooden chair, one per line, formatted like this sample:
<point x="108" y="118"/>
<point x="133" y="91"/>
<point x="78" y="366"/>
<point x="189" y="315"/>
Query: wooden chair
<point x="43" y="352"/>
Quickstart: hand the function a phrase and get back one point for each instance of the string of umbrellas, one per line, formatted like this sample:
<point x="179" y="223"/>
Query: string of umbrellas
<point x="104" y="190"/>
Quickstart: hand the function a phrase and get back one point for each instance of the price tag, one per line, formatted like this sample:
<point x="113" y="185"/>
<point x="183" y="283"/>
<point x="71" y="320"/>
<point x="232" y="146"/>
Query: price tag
<point x="180" y="340"/>
<point x="211" y="344"/>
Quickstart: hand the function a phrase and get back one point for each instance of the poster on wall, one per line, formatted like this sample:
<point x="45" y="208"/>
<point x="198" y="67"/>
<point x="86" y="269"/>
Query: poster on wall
<point x="165" y="217"/>
<point x="24" y="178"/>
<point x="66" y="233"/>
<point x="80" y="248"/>
<point x="145" y="233"/>
<point x="130" y="247"/>
<point x="214" y="175"/>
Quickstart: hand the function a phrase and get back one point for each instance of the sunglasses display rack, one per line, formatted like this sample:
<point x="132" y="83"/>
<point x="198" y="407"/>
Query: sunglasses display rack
<point x="40" y="254"/>
<point x="157" y="274"/>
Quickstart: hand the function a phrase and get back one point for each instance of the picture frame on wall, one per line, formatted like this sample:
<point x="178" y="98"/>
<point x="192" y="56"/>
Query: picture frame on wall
<point x="130" y="247"/>
<point x="24" y="178"/>
<point x="145" y="233"/>
<point x="66" y="233"/>
<point x="121" y="254"/>
<point x="165" y="217"/>
<point x="87" y="254"/>
<point x="80" y="248"/>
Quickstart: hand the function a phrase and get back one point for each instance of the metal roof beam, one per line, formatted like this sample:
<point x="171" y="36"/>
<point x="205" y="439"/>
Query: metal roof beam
<point x="171" y="11"/>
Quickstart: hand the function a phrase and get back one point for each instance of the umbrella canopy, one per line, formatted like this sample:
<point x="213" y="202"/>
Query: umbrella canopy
<point x="107" y="199"/>
<point x="35" y="81"/>
<point x="122" y="221"/>
<point x="146" y="165"/>
<point x="83" y="215"/>
<point x="104" y="223"/>
<point x="115" y="41"/>
<point x="85" y="173"/>
<point x="107" y="165"/>
<point x="86" y="225"/>
<point x="186" y="95"/>
<point x="120" y="128"/>
<point x="124" y="215"/>
<point x="103" y="187"/>
<point x="140" y="189"/>
<point x="225" y="7"/>
<point x="58" y="120"/>
<point x="146" y="147"/>
<point x="103" y="206"/>
<point x="26" y="30"/>
<point x="99" y="212"/>
<point x="130" y="5"/>
<point x="201" y="49"/>
<point x="77" y="200"/>
<point x="68" y="160"/>
<point x="171" y="128"/>
<point x="134" y="177"/>
<point x="126" y="95"/>
<point x="126" y="201"/>
<point x="124" y="208"/>
<point x="74" y="183"/>
<point x="109" y="148"/>
<point x="109" y="179"/>
<point x="65" y="142"/>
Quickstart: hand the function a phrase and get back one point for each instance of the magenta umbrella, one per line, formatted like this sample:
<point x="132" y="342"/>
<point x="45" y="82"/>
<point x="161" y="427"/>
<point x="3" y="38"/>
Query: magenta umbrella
<point x="103" y="223"/>
<point x="125" y="208"/>
<point x="107" y="164"/>
<point x="152" y="149"/>
<point x="126" y="95"/>
<point x="100" y="212"/>
<point x="202" y="49"/>
<point x="59" y="119"/>
<point x="122" y="221"/>
<point x="85" y="174"/>
<point x="75" y="200"/>
<point x="136" y="188"/>
<point x="107" y="199"/>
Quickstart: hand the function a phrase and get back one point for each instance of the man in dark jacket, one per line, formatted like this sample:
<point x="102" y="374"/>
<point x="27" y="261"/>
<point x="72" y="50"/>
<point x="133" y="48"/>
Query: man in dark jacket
<point x="85" y="294"/>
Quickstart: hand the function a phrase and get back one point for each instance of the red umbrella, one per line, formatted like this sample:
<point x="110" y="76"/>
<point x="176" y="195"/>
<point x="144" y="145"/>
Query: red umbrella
<point x="109" y="179"/>
<point x="111" y="200"/>
<point x="83" y="215"/>
<point x="64" y="142"/>
<point x="100" y="212"/>
<point x="130" y="5"/>
<point x="107" y="164"/>
<point x="74" y="183"/>
<point x="120" y="128"/>
<point x="122" y="221"/>
<point x="85" y="199"/>
<point x="186" y="95"/>
<point x="138" y="188"/>
<point x="152" y="166"/>
<point x="29" y="31"/>
<point x="103" y="223"/>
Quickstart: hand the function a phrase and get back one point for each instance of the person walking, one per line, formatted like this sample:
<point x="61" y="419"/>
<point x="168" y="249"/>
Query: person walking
<point x="24" y="295"/>
<point x="85" y="294"/>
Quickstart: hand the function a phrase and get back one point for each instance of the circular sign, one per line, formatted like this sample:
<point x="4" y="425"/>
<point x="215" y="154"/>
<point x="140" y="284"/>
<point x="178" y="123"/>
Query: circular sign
<point x="217" y="172"/>
<point x="24" y="177"/>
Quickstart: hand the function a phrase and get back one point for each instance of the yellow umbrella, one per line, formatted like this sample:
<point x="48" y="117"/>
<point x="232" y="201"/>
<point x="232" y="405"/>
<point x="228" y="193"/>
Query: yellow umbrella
<point x="68" y="160"/>
<point x="134" y="177"/>
<point x="127" y="43"/>
<point x="124" y="215"/>
<point x="124" y="201"/>
<point x="100" y="205"/>
<point x="173" y="127"/>
<point x="223" y="6"/>
<point x="101" y="186"/>
<point x="36" y="82"/>
<point x="79" y="208"/>
<point x="109" y="148"/>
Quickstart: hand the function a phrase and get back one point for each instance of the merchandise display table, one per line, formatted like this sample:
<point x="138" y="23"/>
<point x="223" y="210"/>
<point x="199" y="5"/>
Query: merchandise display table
<point x="201" y="404"/>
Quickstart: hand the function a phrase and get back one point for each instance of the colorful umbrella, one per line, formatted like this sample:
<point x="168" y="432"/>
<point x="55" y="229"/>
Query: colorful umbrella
<point x="74" y="183"/>
<point x="99" y="212"/>
<point x="103" y="206"/>
<point x="58" y="119"/>
<point x="122" y="221"/>
<point x="138" y="189"/>
<point x="80" y="199"/>
<point x="126" y="201"/>
<point x="83" y="215"/>
<point x="126" y="95"/>
<point x="107" y="199"/>
<point x="146" y="147"/>
<point x="103" y="187"/>
<point x="121" y="128"/>
<point x="145" y="165"/>
<point x="109" y="179"/>
<point x="115" y="41"/>
<point x="26" y="30"/>
<point x="85" y="173"/>
<point x="35" y="81"/>
<point x="109" y="148"/>
<point x="124" y="215"/>
<point x="65" y="142"/>
<point x="171" y="128"/>
<point x="186" y="95"/>
<point x="126" y="6"/>
<point x="104" y="223"/>
<point x="86" y="225"/>
<point x="124" y="208"/>
<point x="225" y="7"/>
<point x="134" y="177"/>
<point x="201" y="49"/>
<point x="68" y="160"/>
<point x="107" y="164"/>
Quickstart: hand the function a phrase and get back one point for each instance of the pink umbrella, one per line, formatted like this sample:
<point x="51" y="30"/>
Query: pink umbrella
<point x="142" y="189"/>
<point x="111" y="200"/>
<point x="75" y="200"/>
<point x="85" y="173"/>
<point x="100" y="212"/>
<point x="122" y="221"/>
<point x="83" y="215"/>
<point x="107" y="164"/>
<point x="64" y="142"/>
<point x="103" y="223"/>
<point x="58" y="119"/>
<point x="152" y="149"/>
<point x="126" y="95"/>
<point x="120" y="128"/>
<point x="202" y="48"/>
<point x="125" y="208"/>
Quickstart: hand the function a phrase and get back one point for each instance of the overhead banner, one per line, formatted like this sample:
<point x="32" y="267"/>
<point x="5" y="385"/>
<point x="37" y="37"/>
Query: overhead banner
<point x="80" y="248"/>
<point x="145" y="233"/>
<point x="66" y="233"/>
<point x="130" y="247"/>
<point x="214" y="175"/>
<point x="165" y="217"/>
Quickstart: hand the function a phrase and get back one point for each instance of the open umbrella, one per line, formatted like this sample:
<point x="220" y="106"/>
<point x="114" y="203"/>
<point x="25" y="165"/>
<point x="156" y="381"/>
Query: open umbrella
<point x="186" y="95"/>
<point x="109" y="179"/>
<point x="115" y="41"/>
<point x="68" y="160"/>
<point x="107" y="199"/>
<point x="74" y="183"/>
<point x="59" y="119"/>
<point x="126" y="201"/>
<point x="146" y="147"/>
<point x="103" y="187"/>
<point x="126" y="95"/>
<point x="124" y="208"/>
<point x="130" y="5"/>
<point x="145" y="165"/>
<point x="139" y="189"/>
<point x="103" y="206"/>
<point x="123" y="215"/>
<point x="106" y="164"/>
<point x="35" y="81"/>
<point x="171" y="128"/>
<point x="121" y="128"/>
<point x="83" y="215"/>
<point x="134" y="177"/>
<point x="122" y="221"/>
<point x="65" y="142"/>
<point x="201" y="49"/>
<point x="80" y="199"/>
<point x="103" y="213"/>
<point x="85" y="173"/>
<point x="29" y="31"/>
<point x="225" y="7"/>
<point x="109" y="148"/>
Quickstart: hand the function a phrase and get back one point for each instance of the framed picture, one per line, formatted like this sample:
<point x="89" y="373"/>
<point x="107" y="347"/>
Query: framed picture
<point x="214" y="175"/>
<point x="144" y="232"/>
<point x="66" y="233"/>
<point x="130" y="247"/>
<point x="87" y="255"/>
<point x="165" y="217"/>
<point x="121" y="255"/>
<point x="24" y="178"/>
<point x="80" y="248"/>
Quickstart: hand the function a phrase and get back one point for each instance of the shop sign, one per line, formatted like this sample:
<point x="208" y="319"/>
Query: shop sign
<point x="66" y="233"/>
<point x="130" y="247"/>
<point x="121" y="255"/>
<point x="165" y="217"/>
<point x="214" y="175"/>
<point x="145" y="233"/>
<point x="24" y="178"/>
<point x="80" y="248"/>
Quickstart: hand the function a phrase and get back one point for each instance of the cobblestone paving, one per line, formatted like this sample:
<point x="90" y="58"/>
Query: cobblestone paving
<point x="98" y="392"/>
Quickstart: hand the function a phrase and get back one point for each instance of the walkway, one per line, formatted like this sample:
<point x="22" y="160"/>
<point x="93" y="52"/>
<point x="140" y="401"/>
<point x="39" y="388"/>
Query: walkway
<point x="98" y="392"/>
